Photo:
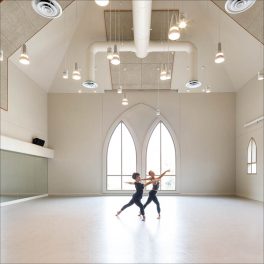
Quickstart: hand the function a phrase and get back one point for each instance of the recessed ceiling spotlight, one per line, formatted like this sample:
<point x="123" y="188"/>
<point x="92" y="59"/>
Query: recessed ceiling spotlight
<point x="238" y="6"/>
<point x="102" y="2"/>
<point x="90" y="84"/>
<point x="193" y="84"/>
<point x="47" y="8"/>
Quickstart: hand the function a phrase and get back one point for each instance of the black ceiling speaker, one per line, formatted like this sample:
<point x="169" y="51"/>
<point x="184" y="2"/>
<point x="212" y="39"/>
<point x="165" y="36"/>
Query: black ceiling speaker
<point x="38" y="141"/>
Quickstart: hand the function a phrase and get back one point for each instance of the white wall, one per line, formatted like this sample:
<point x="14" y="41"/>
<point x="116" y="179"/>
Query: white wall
<point x="27" y="108"/>
<point x="249" y="106"/>
<point x="204" y="126"/>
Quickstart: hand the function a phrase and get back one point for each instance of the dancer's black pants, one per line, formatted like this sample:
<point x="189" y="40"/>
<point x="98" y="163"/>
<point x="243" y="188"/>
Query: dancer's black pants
<point x="152" y="197"/>
<point x="135" y="200"/>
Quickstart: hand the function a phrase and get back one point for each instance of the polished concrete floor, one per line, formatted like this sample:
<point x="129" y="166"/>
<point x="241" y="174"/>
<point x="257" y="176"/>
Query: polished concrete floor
<point x="86" y="230"/>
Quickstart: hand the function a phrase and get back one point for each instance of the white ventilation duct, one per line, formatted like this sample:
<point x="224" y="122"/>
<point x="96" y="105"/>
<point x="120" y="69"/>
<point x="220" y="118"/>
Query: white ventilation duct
<point x="141" y="25"/>
<point x="154" y="46"/>
<point x="47" y="8"/>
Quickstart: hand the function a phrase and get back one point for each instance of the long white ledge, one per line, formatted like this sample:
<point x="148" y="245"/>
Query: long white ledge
<point x="15" y="145"/>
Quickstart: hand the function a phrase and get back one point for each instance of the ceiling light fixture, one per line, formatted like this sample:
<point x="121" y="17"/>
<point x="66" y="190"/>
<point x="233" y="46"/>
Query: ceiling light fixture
<point x="47" y="8"/>
<point x="116" y="59"/>
<point x="109" y="53"/>
<point x="1" y="55"/>
<point x="102" y="2"/>
<point x="124" y="100"/>
<point x="119" y="89"/>
<point x="182" y="22"/>
<point x="260" y="76"/>
<point x="163" y="72"/>
<point x="238" y="6"/>
<point x="208" y="89"/>
<point x="219" y="57"/>
<point x="65" y="74"/>
<point x="188" y="90"/>
<point x="174" y="32"/>
<point x="24" y="59"/>
<point x="76" y="75"/>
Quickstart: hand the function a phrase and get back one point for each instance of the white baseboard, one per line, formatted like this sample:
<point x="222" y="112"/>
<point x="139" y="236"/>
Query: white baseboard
<point x="23" y="200"/>
<point x="247" y="197"/>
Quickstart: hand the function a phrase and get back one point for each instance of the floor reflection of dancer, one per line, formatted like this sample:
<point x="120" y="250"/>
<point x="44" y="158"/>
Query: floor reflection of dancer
<point x="153" y="193"/>
<point x="137" y="196"/>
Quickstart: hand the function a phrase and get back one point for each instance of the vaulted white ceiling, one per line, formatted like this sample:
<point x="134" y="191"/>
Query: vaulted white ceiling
<point x="66" y="40"/>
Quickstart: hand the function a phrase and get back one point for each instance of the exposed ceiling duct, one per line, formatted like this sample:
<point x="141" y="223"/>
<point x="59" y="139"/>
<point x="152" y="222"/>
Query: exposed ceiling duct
<point x="154" y="46"/>
<point x="141" y="26"/>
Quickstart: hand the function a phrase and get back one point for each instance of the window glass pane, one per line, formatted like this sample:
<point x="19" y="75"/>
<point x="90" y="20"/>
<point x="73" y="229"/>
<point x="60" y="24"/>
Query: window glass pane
<point x="167" y="151"/>
<point x="254" y="168"/>
<point x="114" y="153"/>
<point x="114" y="183"/>
<point x="168" y="183"/>
<point x="254" y="152"/>
<point x="128" y="152"/>
<point x="153" y="151"/>
<point x="249" y="151"/>
<point x="249" y="168"/>
<point x="128" y="186"/>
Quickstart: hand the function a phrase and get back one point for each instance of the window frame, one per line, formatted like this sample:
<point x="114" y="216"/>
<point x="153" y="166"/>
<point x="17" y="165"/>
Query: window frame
<point x="121" y="122"/>
<point x="145" y="147"/>
<point x="250" y="144"/>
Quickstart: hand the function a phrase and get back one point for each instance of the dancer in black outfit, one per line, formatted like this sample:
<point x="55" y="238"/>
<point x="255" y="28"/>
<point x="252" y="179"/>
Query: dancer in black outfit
<point x="153" y="193"/>
<point x="137" y="196"/>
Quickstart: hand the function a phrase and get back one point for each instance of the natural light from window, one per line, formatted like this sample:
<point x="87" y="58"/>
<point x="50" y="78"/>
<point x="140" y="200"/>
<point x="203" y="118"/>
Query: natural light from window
<point x="161" y="156"/>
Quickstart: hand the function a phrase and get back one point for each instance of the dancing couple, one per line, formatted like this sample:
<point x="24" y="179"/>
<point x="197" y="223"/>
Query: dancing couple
<point x="137" y="196"/>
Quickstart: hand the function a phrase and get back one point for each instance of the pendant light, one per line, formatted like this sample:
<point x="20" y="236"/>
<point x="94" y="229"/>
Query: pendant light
<point x="1" y="55"/>
<point x="102" y="2"/>
<point x="163" y="72"/>
<point x="260" y="76"/>
<point x="188" y="90"/>
<point x="65" y="74"/>
<point x="158" y="99"/>
<point x="24" y="59"/>
<point x="174" y="32"/>
<point x="119" y="89"/>
<point x="109" y="53"/>
<point x="219" y="57"/>
<point x="124" y="100"/>
<point x="116" y="59"/>
<point x="208" y="89"/>
<point x="76" y="75"/>
<point x="182" y="22"/>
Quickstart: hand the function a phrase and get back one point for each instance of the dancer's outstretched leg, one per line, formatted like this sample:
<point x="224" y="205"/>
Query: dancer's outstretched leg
<point x="131" y="202"/>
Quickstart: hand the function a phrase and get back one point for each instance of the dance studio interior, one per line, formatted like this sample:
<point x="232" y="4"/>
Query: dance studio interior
<point x="131" y="131"/>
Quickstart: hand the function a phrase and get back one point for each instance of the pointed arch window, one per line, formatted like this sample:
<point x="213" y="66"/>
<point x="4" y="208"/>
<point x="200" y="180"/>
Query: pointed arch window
<point x="121" y="159"/>
<point x="252" y="157"/>
<point x="161" y="156"/>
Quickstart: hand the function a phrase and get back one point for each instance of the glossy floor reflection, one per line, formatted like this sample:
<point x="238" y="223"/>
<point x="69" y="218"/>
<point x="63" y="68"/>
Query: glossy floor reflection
<point x="86" y="230"/>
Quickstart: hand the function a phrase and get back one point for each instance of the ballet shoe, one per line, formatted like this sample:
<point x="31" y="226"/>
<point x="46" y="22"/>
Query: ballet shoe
<point x="158" y="217"/>
<point x="143" y="218"/>
<point x="117" y="214"/>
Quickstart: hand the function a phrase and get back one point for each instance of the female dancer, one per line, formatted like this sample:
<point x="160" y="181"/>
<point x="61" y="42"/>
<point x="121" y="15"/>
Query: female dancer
<point x="153" y="193"/>
<point x="137" y="196"/>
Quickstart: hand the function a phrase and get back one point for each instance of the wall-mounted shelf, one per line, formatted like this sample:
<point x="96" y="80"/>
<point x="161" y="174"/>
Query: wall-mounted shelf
<point x="15" y="145"/>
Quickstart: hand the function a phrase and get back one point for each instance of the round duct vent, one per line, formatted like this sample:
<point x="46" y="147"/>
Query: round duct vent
<point x="238" y="6"/>
<point x="193" y="84"/>
<point x="47" y="8"/>
<point x="90" y="84"/>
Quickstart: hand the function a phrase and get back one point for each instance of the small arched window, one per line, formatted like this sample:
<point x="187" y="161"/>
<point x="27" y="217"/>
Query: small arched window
<point x="161" y="156"/>
<point x="121" y="159"/>
<point x="252" y="157"/>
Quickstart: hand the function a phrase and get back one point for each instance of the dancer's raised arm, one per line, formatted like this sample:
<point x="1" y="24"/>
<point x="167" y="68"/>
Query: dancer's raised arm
<point x="162" y="174"/>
